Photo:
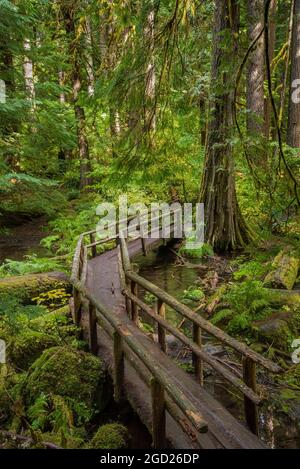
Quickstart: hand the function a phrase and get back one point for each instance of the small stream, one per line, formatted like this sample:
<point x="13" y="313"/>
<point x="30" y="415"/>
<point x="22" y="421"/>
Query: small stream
<point x="275" y="427"/>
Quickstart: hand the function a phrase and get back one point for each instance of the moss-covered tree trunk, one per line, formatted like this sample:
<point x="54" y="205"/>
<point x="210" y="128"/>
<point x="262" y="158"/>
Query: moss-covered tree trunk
<point x="293" y="134"/>
<point x="69" y="10"/>
<point x="225" y="228"/>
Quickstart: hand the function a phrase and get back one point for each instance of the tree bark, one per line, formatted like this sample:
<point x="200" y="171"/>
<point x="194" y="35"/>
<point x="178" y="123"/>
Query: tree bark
<point x="293" y="135"/>
<point x="150" y="115"/>
<point x="255" y="74"/>
<point x="28" y="73"/>
<point x="89" y="58"/>
<point x="225" y="228"/>
<point x="271" y="52"/>
<point x="75" y="52"/>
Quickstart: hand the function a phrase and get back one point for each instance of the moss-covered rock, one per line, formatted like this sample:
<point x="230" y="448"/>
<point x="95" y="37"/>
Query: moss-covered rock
<point x="8" y="380"/>
<point x="27" y="346"/>
<point x="284" y="271"/>
<point x="63" y="441"/>
<point x="276" y="330"/>
<point x="110" y="436"/>
<point x="66" y="372"/>
<point x="58" y="322"/>
<point x="30" y="285"/>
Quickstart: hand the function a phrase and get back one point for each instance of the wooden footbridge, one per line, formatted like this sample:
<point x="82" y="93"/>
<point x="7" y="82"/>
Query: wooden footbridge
<point x="173" y="404"/>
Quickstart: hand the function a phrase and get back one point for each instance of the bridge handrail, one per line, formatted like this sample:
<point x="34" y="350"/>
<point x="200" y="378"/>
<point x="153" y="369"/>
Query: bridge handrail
<point x="130" y="280"/>
<point x="188" y="313"/>
<point x="160" y="384"/>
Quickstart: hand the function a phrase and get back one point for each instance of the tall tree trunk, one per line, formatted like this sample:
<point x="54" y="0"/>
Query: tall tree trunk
<point x="255" y="74"/>
<point x="293" y="135"/>
<point x="286" y="69"/>
<point x="150" y="117"/>
<point x="271" y="52"/>
<point x="61" y="81"/>
<point x="225" y="228"/>
<point x="89" y="57"/>
<point x="75" y="53"/>
<point x="28" y="73"/>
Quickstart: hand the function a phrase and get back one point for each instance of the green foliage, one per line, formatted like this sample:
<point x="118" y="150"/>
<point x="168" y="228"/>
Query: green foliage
<point x="53" y="299"/>
<point x="24" y="348"/>
<point x="32" y="265"/>
<point x="149" y="298"/>
<point x="252" y="270"/>
<point x="194" y="294"/>
<point x="65" y="372"/>
<point x="110" y="436"/>
<point x="196" y="253"/>
<point x="247" y="301"/>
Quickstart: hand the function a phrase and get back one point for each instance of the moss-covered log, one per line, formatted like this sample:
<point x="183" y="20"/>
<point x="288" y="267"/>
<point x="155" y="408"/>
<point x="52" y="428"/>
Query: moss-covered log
<point x="28" y="286"/>
<point x="284" y="271"/>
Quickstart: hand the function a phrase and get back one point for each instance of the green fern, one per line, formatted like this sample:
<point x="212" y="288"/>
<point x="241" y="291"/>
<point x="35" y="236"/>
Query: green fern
<point x="221" y="315"/>
<point x="38" y="412"/>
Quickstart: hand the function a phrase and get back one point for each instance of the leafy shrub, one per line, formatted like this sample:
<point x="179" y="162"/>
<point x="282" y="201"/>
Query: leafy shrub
<point x="205" y="250"/>
<point x="32" y="265"/>
<point x="252" y="270"/>
<point x="247" y="301"/>
<point x="53" y="298"/>
<point x="194" y="294"/>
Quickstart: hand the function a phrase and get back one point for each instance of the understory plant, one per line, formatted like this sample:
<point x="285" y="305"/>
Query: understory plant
<point x="245" y="302"/>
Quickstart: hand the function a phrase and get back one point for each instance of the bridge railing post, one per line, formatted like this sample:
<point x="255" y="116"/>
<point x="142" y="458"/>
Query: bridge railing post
<point x="161" y="333"/>
<point x="93" y="343"/>
<point x="134" y="307"/>
<point x="197" y="362"/>
<point x="77" y="306"/>
<point x="158" y="414"/>
<point x="250" y="408"/>
<point x="93" y="240"/>
<point x="118" y="372"/>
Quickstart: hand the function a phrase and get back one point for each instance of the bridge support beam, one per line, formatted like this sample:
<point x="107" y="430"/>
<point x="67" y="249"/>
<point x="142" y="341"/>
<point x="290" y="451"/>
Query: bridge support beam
<point x="161" y="311"/>
<point x="134" y="306"/>
<point x="118" y="374"/>
<point x="93" y="343"/>
<point x="158" y="414"/>
<point x="197" y="362"/>
<point x="251" y="410"/>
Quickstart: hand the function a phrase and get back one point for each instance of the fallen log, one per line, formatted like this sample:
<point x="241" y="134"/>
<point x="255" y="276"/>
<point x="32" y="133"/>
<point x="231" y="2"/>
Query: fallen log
<point x="27" y="286"/>
<point x="284" y="271"/>
<point x="26" y="439"/>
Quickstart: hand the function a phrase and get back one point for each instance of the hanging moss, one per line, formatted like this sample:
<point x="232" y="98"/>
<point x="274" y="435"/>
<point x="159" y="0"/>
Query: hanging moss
<point x="66" y="372"/>
<point x="110" y="436"/>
